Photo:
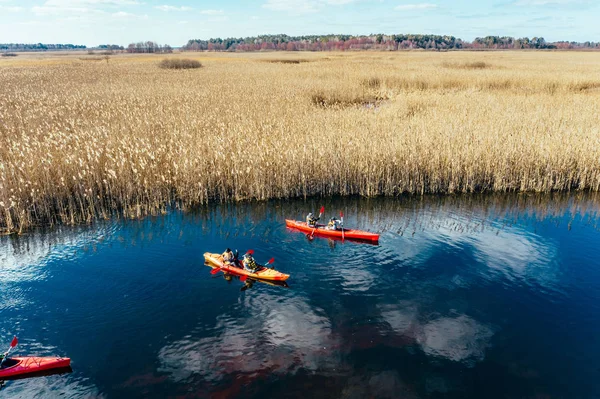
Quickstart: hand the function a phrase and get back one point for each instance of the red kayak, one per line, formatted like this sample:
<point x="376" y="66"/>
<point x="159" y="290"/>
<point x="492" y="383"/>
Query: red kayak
<point x="349" y="234"/>
<point x="18" y="366"/>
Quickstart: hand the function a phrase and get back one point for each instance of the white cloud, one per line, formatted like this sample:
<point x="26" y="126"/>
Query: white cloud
<point x="11" y="8"/>
<point x="212" y="12"/>
<point x="80" y="3"/>
<point x="61" y="7"/>
<point x="541" y="3"/>
<point x="297" y="6"/>
<point x="75" y="3"/>
<point x="302" y="7"/>
<point x="123" y="14"/>
<point x="419" y="6"/>
<point x="43" y="10"/>
<point x="172" y="8"/>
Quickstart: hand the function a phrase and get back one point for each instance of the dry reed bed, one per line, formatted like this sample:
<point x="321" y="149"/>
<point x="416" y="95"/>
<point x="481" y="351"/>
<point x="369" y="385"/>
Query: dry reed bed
<point x="83" y="140"/>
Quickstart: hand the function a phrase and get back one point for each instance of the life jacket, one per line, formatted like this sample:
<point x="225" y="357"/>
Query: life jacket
<point x="311" y="221"/>
<point x="250" y="263"/>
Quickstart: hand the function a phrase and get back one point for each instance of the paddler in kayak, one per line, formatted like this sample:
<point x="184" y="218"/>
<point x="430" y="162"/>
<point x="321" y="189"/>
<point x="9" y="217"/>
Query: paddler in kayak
<point x="228" y="257"/>
<point x="311" y="220"/>
<point x="250" y="264"/>
<point x="334" y="224"/>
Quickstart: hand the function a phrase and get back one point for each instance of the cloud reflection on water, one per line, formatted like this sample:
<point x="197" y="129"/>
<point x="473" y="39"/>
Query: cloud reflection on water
<point x="50" y="387"/>
<point x="278" y="335"/>
<point x="456" y="338"/>
<point x="512" y="251"/>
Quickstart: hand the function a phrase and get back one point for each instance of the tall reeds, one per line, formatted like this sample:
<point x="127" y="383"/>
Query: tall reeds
<point x="81" y="141"/>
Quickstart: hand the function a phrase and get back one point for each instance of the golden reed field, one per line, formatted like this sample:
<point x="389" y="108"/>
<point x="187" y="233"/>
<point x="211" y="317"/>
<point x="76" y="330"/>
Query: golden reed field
<point x="82" y="137"/>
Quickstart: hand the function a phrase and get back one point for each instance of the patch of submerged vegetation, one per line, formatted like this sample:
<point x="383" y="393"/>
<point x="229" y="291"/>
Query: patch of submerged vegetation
<point x="372" y="83"/>
<point x="468" y="65"/>
<point x="179" y="63"/>
<point x="324" y="99"/>
<point x="287" y="61"/>
<point x="584" y="86"/>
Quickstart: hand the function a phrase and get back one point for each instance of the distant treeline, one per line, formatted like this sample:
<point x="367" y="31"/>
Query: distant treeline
<point x="375" y="42"/>
<point x="110" y="47"/>
<point x="323" y="43"/>
<point x="148" y="47"/>
<point x="38" y="47"/>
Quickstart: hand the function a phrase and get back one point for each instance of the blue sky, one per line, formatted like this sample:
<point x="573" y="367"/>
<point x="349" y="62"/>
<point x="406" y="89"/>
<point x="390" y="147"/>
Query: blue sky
<point x="93" y="22"/>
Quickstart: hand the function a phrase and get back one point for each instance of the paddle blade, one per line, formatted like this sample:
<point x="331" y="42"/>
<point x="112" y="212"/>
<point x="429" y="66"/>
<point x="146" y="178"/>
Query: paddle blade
<point x="243" y="278"/>
<point x="215" y="271"/>
<point x="341" y="214"/>
<point x="14" y="342"/>
<point x="271" y="261"/>
<point x="322" y="210"/>
<point x="250" y="251"/>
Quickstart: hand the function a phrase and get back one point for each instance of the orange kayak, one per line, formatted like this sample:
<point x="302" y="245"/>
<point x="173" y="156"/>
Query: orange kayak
<point x="320" y="230"/>
<point x="19" y="366"/>
<point x="216" y="260"/>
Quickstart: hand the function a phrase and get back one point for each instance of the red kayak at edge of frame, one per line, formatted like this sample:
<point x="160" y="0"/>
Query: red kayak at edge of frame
<point x="16" y="366"/>
<point x="322" y="231"/>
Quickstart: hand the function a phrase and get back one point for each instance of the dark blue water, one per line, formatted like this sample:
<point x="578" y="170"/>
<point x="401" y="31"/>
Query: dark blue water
<point x="465" y="297"/>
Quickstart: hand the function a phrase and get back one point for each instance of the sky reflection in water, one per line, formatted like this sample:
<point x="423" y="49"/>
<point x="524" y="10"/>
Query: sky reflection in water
<point x="464" y="297"/>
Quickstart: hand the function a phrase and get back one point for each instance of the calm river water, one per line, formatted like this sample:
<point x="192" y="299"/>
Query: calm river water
<point x="464" y="297"/>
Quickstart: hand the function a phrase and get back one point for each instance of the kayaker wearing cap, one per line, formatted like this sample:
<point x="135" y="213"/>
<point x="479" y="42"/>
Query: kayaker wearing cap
<point x="228" y="257"/>
<point x="249" y="263"/>
<point x="333" y="224"/>
<point x="311" y="220"/>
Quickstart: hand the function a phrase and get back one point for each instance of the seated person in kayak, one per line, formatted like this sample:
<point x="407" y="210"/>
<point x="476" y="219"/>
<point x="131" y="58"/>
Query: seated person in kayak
<point x="228" y="258"/>
<point x="311" y="220"/>
<point x="250" y="264"/>
<point x="333" y="224"/>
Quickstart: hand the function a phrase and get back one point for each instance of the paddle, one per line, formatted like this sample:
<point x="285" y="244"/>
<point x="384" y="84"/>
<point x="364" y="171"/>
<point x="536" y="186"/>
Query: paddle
<point x="270" y="261"/>
<point x="13" y="343"/>
<point x="321" y="212"/>
<point x="342" y="217"/>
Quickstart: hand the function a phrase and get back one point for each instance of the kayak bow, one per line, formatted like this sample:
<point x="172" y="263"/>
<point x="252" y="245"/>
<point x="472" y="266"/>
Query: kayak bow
<point x="19" y="366"/>
<point x="216" y="260"/>
<point x="320" y="230"/>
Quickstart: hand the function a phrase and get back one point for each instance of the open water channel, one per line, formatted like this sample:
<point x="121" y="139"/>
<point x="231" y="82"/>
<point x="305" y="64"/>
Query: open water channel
<point x="464" y="297"/>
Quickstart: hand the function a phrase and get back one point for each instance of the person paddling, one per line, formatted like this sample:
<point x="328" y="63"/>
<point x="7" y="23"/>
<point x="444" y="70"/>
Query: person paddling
<point x="334" y="224"/>
<point x="250" y="264"/>
<point x="311" y="220"/>
<point x="228" y="257"/>
<point x="13" y="343"/>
